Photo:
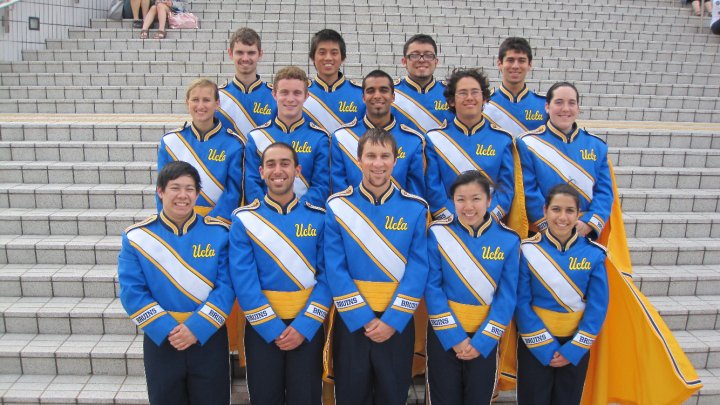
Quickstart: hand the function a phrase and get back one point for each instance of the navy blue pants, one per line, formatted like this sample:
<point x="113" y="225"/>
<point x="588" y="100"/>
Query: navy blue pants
<point x="544" y="385"/>
<point x="452" y="381"/>
<point x="197" y="375"/>
<point x="369" y="373"/>
<point x="277" y="377"/>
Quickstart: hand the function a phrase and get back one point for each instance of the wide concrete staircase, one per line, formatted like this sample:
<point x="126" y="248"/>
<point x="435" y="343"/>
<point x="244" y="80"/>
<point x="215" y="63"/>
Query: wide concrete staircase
<point x="81" y="120"/>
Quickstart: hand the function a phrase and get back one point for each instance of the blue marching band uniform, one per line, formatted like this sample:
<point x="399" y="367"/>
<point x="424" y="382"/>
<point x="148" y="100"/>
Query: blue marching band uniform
<point x="217" y="156"/>
<point x="550" y="157"/>
<point x="471" y="293"/>
<point x="373" y="248"/>
<point x="425" y="107"/>
<point x="312" y="145"/>
<point x="171" y="275"/>
<point x="332" y="105"/>
<point x="561" y="306"/>
<point x="244" y="108"/>
<point x="516" y="114"/>
<point x="278" y="273"/>
<point x="376" y="261"/>
<point x="409" y="171"/>
<point x="455" y="148"/>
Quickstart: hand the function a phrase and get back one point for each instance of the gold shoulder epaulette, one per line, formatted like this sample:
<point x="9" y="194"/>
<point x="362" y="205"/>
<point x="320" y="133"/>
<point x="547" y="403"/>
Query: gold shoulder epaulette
<point x="265" y="125"/>
<point x="236" y="135"/>
<point x="492" y="91"/>
<point x="318" y="127"/>
<point x="269" y="85"/>
<point x="500" y="129"/>
<point x="309" y="82"/>
<point x="348" y="191"/>
<point x="397" y="81"/>
<point x="536" y="131"/>
<point x="594" y="136"/>
<point x="604" y="249"/>
<point x="222" y="86"/>
<point x="252" y="206"/>
<point x="443" y="221"/>
<point x="216" y="221"/>
<point x="356" y="84"/>
<point x="414" y="197"/>
<point x="152" y="218"/>
<point x="534" y="239"/>
<point x="349" y="124"/>
<point x="314" y="207"/>
<point x="507" y="228"/>
<point x="412" y="131"/>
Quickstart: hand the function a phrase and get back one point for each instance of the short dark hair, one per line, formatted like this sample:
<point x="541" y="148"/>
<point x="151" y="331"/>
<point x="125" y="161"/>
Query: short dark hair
<point x="281" y="145"/>
<point x="551" y="91"/>
<point x="563" y="188"/>
<point x="330" y="36"/>
<point x="247" y="36"/>
<point x="472" y="176"/>
<point x="517" y="44"/>
<point x="377" y="136"/>
<point x="421" y="38"/>
<point x="376" y="74"/>
<point x="175" y="170"/>
<point x="458" y="74"/>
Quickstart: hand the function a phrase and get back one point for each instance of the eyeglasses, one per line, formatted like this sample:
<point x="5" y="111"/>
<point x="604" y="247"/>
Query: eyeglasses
<point x="464" y="93"/>
<point x="417" y="56"/>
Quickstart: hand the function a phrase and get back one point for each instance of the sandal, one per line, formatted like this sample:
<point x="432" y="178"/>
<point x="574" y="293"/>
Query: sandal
<point x="159" y="35"/>
<point x="137" y="24"/>
<point x="143" y="34"/>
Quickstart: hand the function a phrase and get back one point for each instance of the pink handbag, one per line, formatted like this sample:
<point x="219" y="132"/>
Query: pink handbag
<point x="182" y="20"/>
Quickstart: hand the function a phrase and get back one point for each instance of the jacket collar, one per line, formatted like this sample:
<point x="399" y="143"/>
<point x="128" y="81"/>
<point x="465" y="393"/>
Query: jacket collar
<point x="280" y="209"/>
<point x="381" y="199"/>
<point x="179" y="231"/>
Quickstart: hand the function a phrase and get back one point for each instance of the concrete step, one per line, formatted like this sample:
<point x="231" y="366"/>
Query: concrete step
<point x="121" y="355"/>
<point x="97" y="129"/>
<point x="100" y="281"/>
<point x="667" y="76"/>
<point x="659" y="225"/>
<point x="28" y="221"/>
<point x="649" y="71"/>
<point x="687" y="158"/>
<point x="77" y="196"/>
<point x="147" y="128"/>
<point x="574" y="33"/>
<point x="294" y="51"/>
<point x="177" y="93"/>
<point x="47" y="172"/>
<point x="82" y="281"/>
<point x="99" y="249"/>
<point x="669" y="200"/>
<point x="21" y="221"/>
<point x="379" y="22"/>
<point x="55" y="389"/>
<point x="65" y="315"/>
<point x="81" y="151"/>
<point x="95" y="106"/>
<point x="671" y="280"/>
<point x="666" y="177"/>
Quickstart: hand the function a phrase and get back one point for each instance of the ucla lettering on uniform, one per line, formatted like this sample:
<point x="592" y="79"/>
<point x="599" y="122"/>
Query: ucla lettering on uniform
<point x="392" y="225"/>
<point x="441" y="105"/>
<point x="200" y="252"/>
<point x="489" y="254"/>
<point x="583" y="264"/>
<point x="483" y="150"/>
<point x="588" y="155"/>
<point x="261" y="109"/>
<point x="214" y="156"/>
<point x="401" y="153"/>
<point x="531" y="115"/>
<point x="344" y="106"/>
<point x="304" y="148"/>
<point x="303" y="231"/>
